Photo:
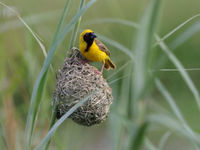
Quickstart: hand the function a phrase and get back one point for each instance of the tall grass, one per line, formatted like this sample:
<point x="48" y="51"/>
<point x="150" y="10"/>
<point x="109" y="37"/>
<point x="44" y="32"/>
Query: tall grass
<point x="180" y="67"/>
<point x="76" y="27"/>
<point x="62" y="119"/>
<point x="39" y="86"/>
<point x="174" y="60"/>
<point x="143" y="52"/>
<point x="177" y="112"/>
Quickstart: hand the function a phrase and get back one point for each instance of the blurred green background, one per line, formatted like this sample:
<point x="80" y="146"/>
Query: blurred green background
<point x="21" y="60"/>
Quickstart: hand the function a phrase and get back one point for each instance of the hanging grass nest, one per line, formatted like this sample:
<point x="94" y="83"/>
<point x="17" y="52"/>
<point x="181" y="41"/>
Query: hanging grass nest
<point x="75" y="81"/>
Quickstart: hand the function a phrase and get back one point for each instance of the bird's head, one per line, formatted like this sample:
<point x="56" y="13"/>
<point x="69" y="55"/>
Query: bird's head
<point x="88" y="36"/>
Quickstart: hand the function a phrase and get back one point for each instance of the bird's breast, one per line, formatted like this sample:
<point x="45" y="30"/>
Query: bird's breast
<point x="95" y="54"/>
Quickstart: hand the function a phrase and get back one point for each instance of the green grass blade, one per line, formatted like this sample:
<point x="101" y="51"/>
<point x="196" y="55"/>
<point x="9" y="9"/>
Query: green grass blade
<point x="72" y="22"/>
<point x="176" y="29"/>
<point x="112" y="20"/>
<point x="174" y="125"/>
<point x="34" y="19"/>
<point x="170" y="100"/>
<point x="63" y="118"/>
<point x="137" y="140"/>
<point x="117" y="79"/>
<point x="53" y="120"/>
<point x="36" y="94"/>
<point x="120" y="135"/>
<point x="175" y="70"/>
<point x="75" y="30"/>
<point x="118" y="70"/>
<point x="163" y="140"/>
<point x="180" y="39"/>
<point x="142" y="49"/>
<point x="57" y="142"/>
<point x="117" y="45"/>
<point x="28" y="27"/>
<point x="193" y="29"/>
<point x="183" y="73"/>
<point x="149" y="144"/>
<point x="173" y="45"/>
<point x="38" y="88"/>
<point x="167" y="121"/>
<point x="135" y="25"/>
<point x="34" y="106"/>
<point x="174" y="107"/>
<point x="65" y="10"/>
<point x="3" y="141"/>
<point x="36" y="37"/>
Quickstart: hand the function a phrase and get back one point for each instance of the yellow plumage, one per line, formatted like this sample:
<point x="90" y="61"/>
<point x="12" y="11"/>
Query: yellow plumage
<point x="93" y="50"/>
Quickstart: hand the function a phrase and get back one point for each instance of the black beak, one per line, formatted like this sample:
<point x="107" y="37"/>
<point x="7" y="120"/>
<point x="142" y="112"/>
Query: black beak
<point x="93" y="35"/>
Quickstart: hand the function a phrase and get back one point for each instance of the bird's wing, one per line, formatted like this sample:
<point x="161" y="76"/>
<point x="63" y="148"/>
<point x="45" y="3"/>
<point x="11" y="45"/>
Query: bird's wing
<point x="102" y="47"/>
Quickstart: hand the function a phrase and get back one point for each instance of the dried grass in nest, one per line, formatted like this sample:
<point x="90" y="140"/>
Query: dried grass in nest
<point x="74" y="82"/>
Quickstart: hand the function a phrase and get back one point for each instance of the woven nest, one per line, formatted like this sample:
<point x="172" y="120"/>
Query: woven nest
<point x="75" y="81"/>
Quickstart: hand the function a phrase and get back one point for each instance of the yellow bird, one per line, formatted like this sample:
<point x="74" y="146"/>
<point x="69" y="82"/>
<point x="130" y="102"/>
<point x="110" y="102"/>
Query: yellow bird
<point x="93" y="50"/>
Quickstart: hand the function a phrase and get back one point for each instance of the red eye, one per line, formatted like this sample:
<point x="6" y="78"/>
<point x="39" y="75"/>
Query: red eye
<point x="86" y="36"/>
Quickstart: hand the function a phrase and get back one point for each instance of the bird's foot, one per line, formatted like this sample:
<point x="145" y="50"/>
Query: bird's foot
<point x="98" y="72"/>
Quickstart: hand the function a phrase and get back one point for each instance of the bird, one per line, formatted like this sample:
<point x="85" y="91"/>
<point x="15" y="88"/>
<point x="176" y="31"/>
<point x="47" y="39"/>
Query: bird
<point x="94" y="50"/>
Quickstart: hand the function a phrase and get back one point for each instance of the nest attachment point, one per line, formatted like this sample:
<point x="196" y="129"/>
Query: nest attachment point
<point x="75" y="81"/>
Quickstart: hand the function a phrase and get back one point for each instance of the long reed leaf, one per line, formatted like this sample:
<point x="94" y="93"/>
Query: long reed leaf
<point x="142" y="50"/>
<point x="166" y="36"/>
<point x="118" y="70"/>
<point x="174" y="125"/>
<point x="163" y="140"/>
<point x="36" y="94"/>
<point x="177" y="28"/>
<point x="137" y="140"/>
<point x="76" y="26"/>
<point x="149" y="145"/>
<point x="184" y="36"/>
<point x="28" y="27"/>
<point x="34" y="19"/>
<point x="178" y="41"/>
<point x="3" y="142"/>
<point x="175" y="109"/>
<point x="183" y="73"/>
<point x="52" y="122"/>
<point x="117" y="45"/>
<point x="112" y="20"/>
<point x="38" y="88"/>
<point x="63" y="118"/>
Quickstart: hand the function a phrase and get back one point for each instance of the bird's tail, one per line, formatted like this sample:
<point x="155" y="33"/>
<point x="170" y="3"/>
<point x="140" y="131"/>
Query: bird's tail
<point x="109" y="64"/>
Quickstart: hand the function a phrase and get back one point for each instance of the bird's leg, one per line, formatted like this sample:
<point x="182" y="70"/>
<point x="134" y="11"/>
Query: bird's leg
<point x="102" y="67"/>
